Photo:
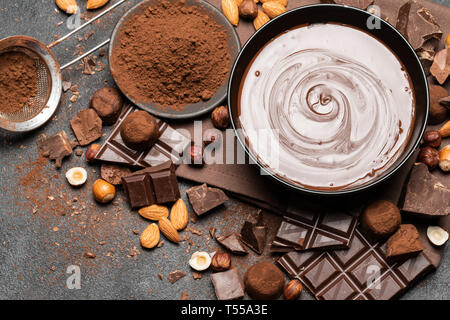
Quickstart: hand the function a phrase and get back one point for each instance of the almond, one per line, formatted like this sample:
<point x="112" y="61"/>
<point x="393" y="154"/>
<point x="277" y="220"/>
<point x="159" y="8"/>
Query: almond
<point x="445" y="130"/>
<point x="273" y="9"/>
<point x="68" y="6"/>
<point x="95" y="4"/>
<point x="169" y="230"/>
<point x="179" y="215"/>
<point x="230" y="10"/>
<point x="282" y="2"/>
<point x="154" y="212"/>
<point x="260" y="19"/>
<point x="150" y="236"/>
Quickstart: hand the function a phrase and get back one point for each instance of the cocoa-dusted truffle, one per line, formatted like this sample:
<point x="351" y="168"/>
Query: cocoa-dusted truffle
<point x="403" y="244"/>
<point x="108" y="103"/>
<point x="381" y="219"/>
<point x="139" y="130"/>
<point x="264" y="281"/>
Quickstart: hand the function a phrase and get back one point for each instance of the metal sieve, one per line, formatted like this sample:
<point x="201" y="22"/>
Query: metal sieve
<point x="41" y="107"/>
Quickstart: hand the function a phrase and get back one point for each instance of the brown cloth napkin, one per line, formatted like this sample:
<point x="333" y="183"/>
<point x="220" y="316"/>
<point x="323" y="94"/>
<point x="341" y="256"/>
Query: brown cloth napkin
<point x="245" y="182"/>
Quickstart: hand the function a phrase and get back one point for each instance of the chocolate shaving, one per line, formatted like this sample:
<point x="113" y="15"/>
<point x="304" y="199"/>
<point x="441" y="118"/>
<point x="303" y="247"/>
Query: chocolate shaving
<point x="175" y="275"/>
<point x="55" y="147"/>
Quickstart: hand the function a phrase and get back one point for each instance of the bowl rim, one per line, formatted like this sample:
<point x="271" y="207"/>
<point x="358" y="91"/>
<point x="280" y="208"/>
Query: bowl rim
<point x="391" y="171"/>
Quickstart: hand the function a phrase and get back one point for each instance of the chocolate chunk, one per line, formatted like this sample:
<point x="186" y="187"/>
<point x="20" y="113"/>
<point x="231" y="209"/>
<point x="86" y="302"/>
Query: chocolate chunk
<point x="350" y="274"/>
<point x="426" y="54"/>
<point x="169" y="147"/>
<point x="264" y="281"/>
<point x="254" y="233"/>
<point x="381" y="219"/>
<point x="417" y="24"/>
<point x="227" y="285"/>
<point x="361" y="4"/>
<point x="175" y="275"/>
<point x="156" y="184"/>
<point x="441" y="65"/>
<point x="87" y="126"/>
<point x="108" y="103"/>
<point x="55" y="147"/>
<point x="139" y="131"/>
<point x="425" y="195"/>
<point x="113" y="173"/>
<point x="204" y="198"/>
<point x="404" y="244"/>
<point x="139" y="190"/>
<point x="233" y="243"/>
<point x="438" y="113"/>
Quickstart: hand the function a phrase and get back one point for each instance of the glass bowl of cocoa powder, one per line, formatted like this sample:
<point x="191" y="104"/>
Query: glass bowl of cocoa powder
<point x="173" y="58"/>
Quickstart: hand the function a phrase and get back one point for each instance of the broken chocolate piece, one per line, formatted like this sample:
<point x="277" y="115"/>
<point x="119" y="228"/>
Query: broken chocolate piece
<point x="404" y="244"/>
<point x="425" y="195"/>
<point x="55" y="147"/>
<point x="114" y="173"/>
<point x="233" y="243"/>
<point x="87" y="126"/>
<point x="175" y="275"/>
<point x="227" y="285"/>
<point x="417" y="24"/>
<point x="441" y="65"/>
<point x="204" y="198"/>
<point x="361" y="4"/>
<point x="254" y="233"/>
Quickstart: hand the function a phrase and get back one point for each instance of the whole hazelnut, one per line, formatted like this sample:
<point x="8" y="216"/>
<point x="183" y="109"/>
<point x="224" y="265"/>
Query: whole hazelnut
<point x="91" y="152"/>
<point x="220" y="117"/>
<point x="248" y="9"/>
<point x="211" y="136"/>
<point x="292" y="290"/>
<point x="103" y="191"/>
<point x="221" y="261"/>
<point x="430" y="157"/>
<point x="432" y="138"/>
<point x="196" y="155"/>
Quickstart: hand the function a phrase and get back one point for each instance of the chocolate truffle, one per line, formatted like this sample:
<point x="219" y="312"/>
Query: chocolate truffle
<point x="107" y="102"/>
<point x="264" y="281"/>
<point x="139" y="130"/>
<point x="403" y="244"/>
<point x="381" y="219"/>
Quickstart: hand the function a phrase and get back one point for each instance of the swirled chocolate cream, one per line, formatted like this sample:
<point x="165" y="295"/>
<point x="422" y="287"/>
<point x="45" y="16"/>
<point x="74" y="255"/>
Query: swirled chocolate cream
<point x="326" y="107"/>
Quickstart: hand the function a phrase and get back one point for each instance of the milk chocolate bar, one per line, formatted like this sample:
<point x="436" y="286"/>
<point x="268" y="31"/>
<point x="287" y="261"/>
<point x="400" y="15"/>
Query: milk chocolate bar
<point x="358" y="273"/>
<point x="170" y="146"/>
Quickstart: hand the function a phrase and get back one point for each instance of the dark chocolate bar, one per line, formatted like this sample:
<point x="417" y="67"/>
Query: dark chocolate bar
<point x="170" y="146"/>
<point x="359" y="273"/>
<point x="139" y="190"/>
<point x="312" y="229"/>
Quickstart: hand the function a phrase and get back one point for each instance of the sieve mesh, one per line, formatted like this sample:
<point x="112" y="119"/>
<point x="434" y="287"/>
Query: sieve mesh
<point x="37" y="103"/>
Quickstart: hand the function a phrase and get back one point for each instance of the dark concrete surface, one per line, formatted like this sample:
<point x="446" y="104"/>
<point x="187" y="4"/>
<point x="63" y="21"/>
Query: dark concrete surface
<point x="40" y="236"/>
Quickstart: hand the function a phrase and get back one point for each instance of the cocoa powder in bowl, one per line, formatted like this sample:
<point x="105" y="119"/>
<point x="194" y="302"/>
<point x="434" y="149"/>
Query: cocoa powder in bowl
<point x="18" y="81"/>
<point x="171" y="54"/>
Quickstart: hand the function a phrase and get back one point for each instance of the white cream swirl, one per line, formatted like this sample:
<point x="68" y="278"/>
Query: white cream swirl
<point x="339" y="121"/>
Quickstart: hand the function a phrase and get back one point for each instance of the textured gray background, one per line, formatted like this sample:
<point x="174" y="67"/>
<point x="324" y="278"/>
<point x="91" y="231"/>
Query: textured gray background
<point x="30" y="249"/>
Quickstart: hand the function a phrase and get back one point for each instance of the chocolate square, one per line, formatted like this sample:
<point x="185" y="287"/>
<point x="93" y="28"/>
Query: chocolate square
<point x="139" y="190"/>
<point x="165" y="186"/>
<point x="227" y="285"/>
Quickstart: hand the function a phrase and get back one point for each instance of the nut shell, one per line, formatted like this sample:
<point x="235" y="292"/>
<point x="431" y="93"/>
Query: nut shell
<point x="76" y="176"/>
<point x="437" y="235"/>
<point x="200" y="261"/>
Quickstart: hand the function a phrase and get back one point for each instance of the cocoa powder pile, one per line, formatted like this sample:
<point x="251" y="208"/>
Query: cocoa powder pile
<point x="18" y="81"/>
<point x="171" y="54"/>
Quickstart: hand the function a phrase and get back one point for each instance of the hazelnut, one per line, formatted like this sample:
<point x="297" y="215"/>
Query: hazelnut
<point x="220" y="117"/>
<point x="76" y="176"/>
<point x="211" y="136"/>
<point x="200" y="261"/>
<point x="91" y="152"/>
<point x="221" y="261"/>
<point x="196" y="155"/>
<point x="103" y="191"/>
<point x="432" y="138"/>
<point x="430" y="157"/>
<point x="437" y="235"/>
<point x="292" y="290"/>
<point x="248" y="9"/>
<point x="444" y="159"/>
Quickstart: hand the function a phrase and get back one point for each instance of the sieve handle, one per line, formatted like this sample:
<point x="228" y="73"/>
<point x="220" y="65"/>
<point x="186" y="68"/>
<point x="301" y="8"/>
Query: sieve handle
<point x="85" y="54"/>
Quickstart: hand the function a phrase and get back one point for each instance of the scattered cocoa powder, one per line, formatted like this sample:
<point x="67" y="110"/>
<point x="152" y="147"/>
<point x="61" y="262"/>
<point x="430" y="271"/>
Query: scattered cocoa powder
<point x="18" y="81"/>
<point x="185" y="60"/>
